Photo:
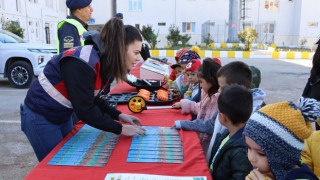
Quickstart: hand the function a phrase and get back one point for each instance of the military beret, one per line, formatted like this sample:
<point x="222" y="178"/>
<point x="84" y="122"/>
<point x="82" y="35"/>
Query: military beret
<point x="77" y="4"/>
<point x="119" y="15"/>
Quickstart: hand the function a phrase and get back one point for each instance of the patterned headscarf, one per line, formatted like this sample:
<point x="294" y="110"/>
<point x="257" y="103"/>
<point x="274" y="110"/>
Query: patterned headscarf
<point x="188" y="56"/>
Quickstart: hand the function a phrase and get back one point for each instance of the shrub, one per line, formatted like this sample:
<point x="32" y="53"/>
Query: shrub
<point x="176" y="40"/>
<point x="208" y="39"/>
<point x="174" y="36"/>
<point x="148" y="34"/>
<point x="184" y="39"/>
<point x="247" y="36"/>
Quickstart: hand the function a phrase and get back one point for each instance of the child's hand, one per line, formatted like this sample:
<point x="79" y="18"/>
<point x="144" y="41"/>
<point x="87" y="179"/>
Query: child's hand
<point x="256" y="175"/>
<point x="176" y="105"/>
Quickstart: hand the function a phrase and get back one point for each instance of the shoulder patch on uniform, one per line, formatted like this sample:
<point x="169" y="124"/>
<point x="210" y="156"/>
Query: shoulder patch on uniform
<point x="68" y="39"/>
<point x="68" y="42"/>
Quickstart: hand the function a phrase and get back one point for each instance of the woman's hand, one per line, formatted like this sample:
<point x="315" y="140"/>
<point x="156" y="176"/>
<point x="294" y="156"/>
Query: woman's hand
<point x="132" y="130"/>
<point x="129" y="119"/>
<point x="176" y="105"/>
<point x="256" y="175"/>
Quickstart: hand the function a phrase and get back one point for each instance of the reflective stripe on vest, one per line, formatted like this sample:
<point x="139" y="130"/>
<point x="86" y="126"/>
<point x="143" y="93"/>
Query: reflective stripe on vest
<point x="79" y="27"/>
<point x="53" y="92"/>
<point x="85" y="55"/>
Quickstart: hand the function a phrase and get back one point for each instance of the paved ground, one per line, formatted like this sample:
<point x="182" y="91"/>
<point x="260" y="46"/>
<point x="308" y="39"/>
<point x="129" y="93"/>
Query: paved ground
<point x="282" y="80"/>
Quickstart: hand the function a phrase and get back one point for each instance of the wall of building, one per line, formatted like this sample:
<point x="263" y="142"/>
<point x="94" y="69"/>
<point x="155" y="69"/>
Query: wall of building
<point x="289" y="20"/>
<point x="39" y="18"/>
<point x="102" y="11"/>
<point x="310" y="21"/>
<point x="176" y="12"/>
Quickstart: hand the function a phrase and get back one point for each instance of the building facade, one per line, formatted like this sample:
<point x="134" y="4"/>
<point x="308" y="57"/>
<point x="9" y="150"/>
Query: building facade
<point x="39" y="18"/>
<point x="283" y="22"/>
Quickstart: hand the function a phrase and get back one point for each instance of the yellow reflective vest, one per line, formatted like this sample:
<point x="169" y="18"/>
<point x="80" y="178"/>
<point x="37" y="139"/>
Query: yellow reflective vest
<point x="75" y="23"/>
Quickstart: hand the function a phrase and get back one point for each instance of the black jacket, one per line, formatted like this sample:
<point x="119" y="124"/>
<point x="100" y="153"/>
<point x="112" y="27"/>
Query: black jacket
<point x="231" y="162"/>
<point x="312" y="89"/>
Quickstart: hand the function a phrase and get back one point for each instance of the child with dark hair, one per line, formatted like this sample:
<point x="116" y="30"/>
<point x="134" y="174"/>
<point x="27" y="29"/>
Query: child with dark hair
<point x="176" y="71"/>
<point x="181" y="83"/>
<point x="275" y="135"/>
<point x="236" y="72"/>
<point x="230" y="157"/>
<point x="207" y="105"/>
<point x="177" y="68"/>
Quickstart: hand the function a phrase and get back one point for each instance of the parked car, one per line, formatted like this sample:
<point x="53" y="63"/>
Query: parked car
<point x="20" y="61"/>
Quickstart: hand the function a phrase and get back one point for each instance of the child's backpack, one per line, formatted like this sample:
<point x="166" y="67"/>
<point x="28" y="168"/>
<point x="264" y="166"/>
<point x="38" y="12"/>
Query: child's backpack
<point x="256" y="77"/>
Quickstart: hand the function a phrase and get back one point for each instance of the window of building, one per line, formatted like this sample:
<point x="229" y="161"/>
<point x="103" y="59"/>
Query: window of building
<point x="135" y="5"/>
<point x="268" y="28"/>
<point x="47" y="33"/>
<point x="37" y="30"/>
<point x="271" y="5"/>
<point x="188" y="27"/>
<point x="161" y="24"/>
<point x="33" y="1"/>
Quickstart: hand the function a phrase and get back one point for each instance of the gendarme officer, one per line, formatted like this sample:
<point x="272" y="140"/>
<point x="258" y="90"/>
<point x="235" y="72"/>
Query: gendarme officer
<point x="70" y="30"/>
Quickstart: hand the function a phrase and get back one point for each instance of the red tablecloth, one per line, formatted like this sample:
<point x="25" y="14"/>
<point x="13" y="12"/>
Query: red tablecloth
<point x="194" y="160"/>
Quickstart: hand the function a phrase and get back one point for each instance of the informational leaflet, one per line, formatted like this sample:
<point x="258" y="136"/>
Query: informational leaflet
<point x="88" y="147"/>
<point x="159" y="145"/>
<point x="131" y="176"/>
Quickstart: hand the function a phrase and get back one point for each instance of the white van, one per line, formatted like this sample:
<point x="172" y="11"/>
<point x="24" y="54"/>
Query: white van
<point x="21" y="61"/>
